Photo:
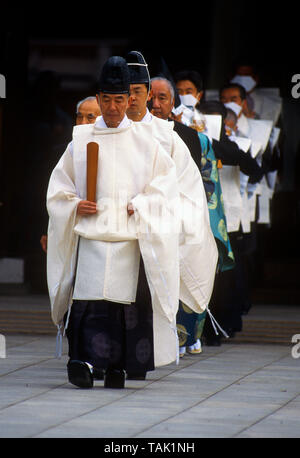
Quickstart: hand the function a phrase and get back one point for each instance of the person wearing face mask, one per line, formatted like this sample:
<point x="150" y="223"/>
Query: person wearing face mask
<point x="231" y="295"/>
<point x="265" y="104"/>
<point x="234" y="95"/>
<point x="262" y="103"/>
<point x="162" y="105"/>
<point x="229" y="154"/>
<point x="189" y="86"/>
<point x="249" y="84"/>
<point x="227" y="151"/>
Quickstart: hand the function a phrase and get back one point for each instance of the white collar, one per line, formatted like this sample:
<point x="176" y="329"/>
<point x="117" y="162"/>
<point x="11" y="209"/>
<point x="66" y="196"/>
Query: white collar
<point x="100" y="123"/>
<point x="148" y="117"/>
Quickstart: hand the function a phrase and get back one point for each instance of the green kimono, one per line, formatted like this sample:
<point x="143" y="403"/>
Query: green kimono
<point x="190" y="324"/>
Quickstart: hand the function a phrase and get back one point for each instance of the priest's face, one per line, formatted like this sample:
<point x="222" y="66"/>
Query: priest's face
<point x="113" y="107"/>
<point x="137" y="104"/>
<point x="162" y="101"/>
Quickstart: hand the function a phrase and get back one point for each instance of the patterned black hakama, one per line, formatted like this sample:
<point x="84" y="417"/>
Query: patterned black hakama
<point x="108" y="334"/>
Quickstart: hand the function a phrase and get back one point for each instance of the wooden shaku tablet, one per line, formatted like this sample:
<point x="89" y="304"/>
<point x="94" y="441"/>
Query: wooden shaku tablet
<point x="91" y="170"/>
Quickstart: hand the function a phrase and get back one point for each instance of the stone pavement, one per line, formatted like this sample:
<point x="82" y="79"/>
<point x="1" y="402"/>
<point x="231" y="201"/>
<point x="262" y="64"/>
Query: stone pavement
<point x="238" y="390"/>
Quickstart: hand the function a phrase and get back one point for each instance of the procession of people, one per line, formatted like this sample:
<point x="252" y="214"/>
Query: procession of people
<point x="156" y="264"/>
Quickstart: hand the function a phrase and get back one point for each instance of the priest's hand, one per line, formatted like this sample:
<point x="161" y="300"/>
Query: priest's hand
<point x="85" y="208"/>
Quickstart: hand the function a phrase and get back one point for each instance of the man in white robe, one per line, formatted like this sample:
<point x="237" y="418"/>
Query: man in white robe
<point x="198" y="249"/>
<point x="94" y="248"/>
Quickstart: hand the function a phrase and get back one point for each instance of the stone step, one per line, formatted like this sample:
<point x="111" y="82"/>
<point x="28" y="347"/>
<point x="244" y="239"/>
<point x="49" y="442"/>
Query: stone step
<point x="36" y="322"/>
<point x="270" y="324"/>
<point x="244" y="338"/>
<point x="25" y="314"/>
<point x="263" y="323"/>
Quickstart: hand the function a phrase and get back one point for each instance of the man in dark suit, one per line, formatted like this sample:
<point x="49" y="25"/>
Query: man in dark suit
<point x="162" y="103"/>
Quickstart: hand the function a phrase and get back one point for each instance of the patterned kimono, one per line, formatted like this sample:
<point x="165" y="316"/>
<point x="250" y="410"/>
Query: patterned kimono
<point x="190" y="324"/>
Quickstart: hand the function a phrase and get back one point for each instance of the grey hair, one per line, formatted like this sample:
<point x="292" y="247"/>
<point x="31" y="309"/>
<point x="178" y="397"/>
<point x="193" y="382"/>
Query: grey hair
<point x="161" y="78"/>
<point x="84" y="100"/>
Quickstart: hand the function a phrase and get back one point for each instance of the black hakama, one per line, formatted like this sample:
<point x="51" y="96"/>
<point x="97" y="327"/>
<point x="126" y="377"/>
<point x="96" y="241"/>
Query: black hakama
<point x="112" y="335"/>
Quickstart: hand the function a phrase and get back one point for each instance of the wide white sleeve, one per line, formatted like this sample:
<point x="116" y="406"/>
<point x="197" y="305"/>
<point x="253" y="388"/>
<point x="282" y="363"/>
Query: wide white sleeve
<point x="62" y="202"/>
<point x="198" y="249"/>
<point x="157" y="225"/>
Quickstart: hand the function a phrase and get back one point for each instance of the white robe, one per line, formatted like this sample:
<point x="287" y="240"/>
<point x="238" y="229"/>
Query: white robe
<point x="198" y="249"/>
<point x="131" y="164"/>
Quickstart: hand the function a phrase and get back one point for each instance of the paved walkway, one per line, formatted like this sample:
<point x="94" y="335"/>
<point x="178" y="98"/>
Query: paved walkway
<point x="237" y="390"/>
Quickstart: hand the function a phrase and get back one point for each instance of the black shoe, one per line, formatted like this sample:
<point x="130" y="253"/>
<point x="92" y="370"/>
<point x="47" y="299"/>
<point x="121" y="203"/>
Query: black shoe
<point x="79" y="374"/>
<point x="136" y="375"/>
<point x="98" y="374"/>
<point x="114" y="378"/>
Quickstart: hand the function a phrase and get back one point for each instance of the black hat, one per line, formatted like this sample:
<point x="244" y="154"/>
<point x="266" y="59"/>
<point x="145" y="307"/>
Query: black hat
<point x="115" y="77"/>
<point x="138" y="68"/>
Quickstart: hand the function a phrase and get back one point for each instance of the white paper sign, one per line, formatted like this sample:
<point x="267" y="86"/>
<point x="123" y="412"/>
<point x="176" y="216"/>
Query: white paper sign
<point x="213" y="125"/>
<point x="245" y="218"/>
<point x="267" y="103"/>
<point x="255" y="148"/>
<point x="272" y="179"/>
<point x="230" y="183"/>
<point x="243" y="183"/>
<point x="186" y="114"/>
<point x="264" y="203"/>
<point x="260" y="131"/>
<point x="242" y="142"/>
<point x="274" y="137"/>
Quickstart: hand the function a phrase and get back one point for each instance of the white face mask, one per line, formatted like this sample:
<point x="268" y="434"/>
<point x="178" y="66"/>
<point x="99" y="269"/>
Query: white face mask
<point x="234" y="107"/>
<point x="188" y="100"/>
<point x="246" y="81"/>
